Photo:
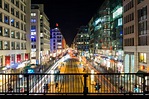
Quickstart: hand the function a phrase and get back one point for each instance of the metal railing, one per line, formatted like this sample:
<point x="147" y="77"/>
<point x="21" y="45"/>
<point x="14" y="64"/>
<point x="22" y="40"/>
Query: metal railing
<point x="75" y="84"/>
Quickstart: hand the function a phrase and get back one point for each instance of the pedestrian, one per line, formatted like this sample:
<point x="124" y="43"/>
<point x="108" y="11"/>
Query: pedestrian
<point x="56" y="85"/>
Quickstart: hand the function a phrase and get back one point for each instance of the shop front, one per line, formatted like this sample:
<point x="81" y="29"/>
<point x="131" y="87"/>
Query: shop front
<point x="18" y="58"/>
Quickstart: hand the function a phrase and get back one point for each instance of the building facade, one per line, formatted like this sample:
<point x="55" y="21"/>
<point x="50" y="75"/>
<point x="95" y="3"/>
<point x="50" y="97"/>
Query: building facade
<point x="40" y="35"/>
<point x="57" y="42"/>
<point x="14" y="34"/>
<point x="106" y="36"/>
<point x="136" y="38"/>
<point x="82" y="41"/>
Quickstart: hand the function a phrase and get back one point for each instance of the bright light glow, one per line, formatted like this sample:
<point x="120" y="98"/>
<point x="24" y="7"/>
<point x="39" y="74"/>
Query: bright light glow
<point x="32" y="36"/>
<point x="21" y="65"/>
<point x="4" y="68"/>
<point x="33" y="33"/>
<point x="118" y="12"/>
<point x="92" y="77"/>
<point x="20" y="76"/>
<point x="52" y="71"/>
<point x="120" y="22"/>
<point x="33" y="61"/>
<point x="40" y="84"/>
<point x="97" y="21"/>
<point x="92" y="71"/>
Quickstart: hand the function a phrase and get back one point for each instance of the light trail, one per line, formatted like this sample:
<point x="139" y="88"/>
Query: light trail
<point x="37" y="88"/>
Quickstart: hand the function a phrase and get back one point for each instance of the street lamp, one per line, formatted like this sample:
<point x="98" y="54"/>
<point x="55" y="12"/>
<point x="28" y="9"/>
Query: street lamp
<point x="21" y="79"/>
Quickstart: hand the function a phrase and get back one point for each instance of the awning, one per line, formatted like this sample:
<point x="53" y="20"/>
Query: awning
<point x="140" y="73"/>
<point x="14" y="66"/>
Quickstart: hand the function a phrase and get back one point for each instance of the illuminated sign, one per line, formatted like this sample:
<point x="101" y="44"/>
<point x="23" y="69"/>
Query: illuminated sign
<point x="120" y="22"/>
<point x="30" y="71"/>
<point x="118" y="12"/>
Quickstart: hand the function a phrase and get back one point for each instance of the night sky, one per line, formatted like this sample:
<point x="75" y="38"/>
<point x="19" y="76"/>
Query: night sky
<point x="69" y="14"/>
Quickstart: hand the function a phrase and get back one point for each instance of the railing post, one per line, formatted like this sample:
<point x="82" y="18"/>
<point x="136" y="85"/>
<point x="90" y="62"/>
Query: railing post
<point x="85" y="91"/>
<point x="27" y="79"/>
<point x="144" y="84"/>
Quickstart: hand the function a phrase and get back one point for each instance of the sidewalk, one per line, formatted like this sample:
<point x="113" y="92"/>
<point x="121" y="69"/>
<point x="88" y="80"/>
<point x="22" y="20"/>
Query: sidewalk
<point x="115" y="80"/>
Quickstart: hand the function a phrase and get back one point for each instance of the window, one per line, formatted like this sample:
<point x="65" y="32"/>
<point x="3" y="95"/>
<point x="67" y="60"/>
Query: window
<point x="22" y="17"/>
<point x="139" y="1"/>
<point x="1" y="45"/>
<point x="6" y="32"/>
<point x="33" y="33"/>
<point x="1" y="31"/>
<point x="33" y="46"/>
<point x="12" y="11"/>
<point x="21" y="45"/>
<point x="24" y="45"/>
<point x="22" y="7"/>
<point x="6" y="7"/>
<point x="18" y="46"/>
<point x="12" y="1"/>
<point x="17" y="3"/>
<point x="33" y="38"/>
<point x="6" y="45"/>
<point x="18" y="35"/>
<point x="142" y="41"/>
<point x="33" y="14"/>
<point x="12" y="22"/>
<point x="1" y="17"/>
<point x="12" y="34"/>
<point x="13" y="45"/>
<point x="17" y="14"/>
<point x="33" y="28"/>
<point x="6" y="19"/>
<point x="41" y="16"/>
<point x="22" y="26"/>
<point x="0" y="3"/>
<point x="33" y="20"/>
<point x="142" y="57"/>
<point x="22" y="36"/>
<point x="17" y="24"/>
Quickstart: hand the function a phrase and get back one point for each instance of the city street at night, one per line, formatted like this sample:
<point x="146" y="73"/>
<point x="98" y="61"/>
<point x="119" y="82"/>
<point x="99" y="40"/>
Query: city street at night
<point x="74" y="48"/>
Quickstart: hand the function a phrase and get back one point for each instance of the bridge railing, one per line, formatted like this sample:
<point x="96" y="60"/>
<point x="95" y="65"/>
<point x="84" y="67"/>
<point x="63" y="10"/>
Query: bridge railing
<point x="74" y="83"/>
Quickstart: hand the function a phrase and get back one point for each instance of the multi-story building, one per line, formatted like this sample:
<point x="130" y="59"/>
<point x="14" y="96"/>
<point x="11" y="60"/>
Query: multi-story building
<point x="82" y="41"/>
<point x="116" y="35"/>
<point x="105" y="30"/>
<point x="40" y="35"/>
<point x="14" y="34"/>
<point x="135" y="38"/>
<point x="57" y="41"/>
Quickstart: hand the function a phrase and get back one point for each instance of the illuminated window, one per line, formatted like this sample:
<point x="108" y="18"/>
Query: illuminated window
<point x="33" y="20"/>
<point x="12" y="22"/>
<point x="41" y="35"/>
<point x="33" y="39"/>
<point x="33" y="28"/>
<point x="33" y="14"/>
<point x="33" y="33"/>
<point x="142" y="57"/>
<point x="41" y="16"/>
